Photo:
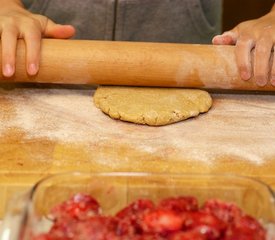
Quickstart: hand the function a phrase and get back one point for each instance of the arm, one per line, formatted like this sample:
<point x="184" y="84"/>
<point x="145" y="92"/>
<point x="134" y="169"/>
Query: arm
<point x="16" y="22"/>
<point x="257" y="34"/>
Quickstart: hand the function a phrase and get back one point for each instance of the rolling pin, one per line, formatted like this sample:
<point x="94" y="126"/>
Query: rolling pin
<point x="135" y="64"/>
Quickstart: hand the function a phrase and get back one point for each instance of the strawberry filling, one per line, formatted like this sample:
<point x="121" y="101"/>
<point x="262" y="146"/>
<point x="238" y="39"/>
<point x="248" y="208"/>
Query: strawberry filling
<point x="175" y="218"/>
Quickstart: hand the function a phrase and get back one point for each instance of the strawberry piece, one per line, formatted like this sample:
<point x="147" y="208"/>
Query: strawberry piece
<point x="61" y="230"/>
<point x="187" y="235"/>
<point x="130" y="218"/>
<point x="227" y="212"/>
<point x="138" y="206"/>
<point x="246" y="228"/>
<point x="234" y="233"/>
<point x="127" y="226"/>
<point x="79" y="207"/>
<point x="194" y="219"/>
<point x="248" y="224"/>
<point x="146" y="236"/>
<point x="179" y="204"/>
<point x="161" y="221"/>
<point x="208" y="232"/>
<point x="94" y="228"/>
<point x="43" y="237"/>
<point x="204" y="223"/>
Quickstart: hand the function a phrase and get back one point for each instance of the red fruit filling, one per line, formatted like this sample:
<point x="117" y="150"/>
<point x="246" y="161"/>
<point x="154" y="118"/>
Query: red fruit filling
<point x="178" y="218"/>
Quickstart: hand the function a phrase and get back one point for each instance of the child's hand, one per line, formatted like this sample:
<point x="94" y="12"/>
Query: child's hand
<point x="258" y="34"/>
<point x="15" y="23"/>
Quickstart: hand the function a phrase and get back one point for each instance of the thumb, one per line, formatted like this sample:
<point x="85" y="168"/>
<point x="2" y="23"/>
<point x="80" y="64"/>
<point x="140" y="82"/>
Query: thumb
<point x="227" y="38"/>
<point x="54" y="30"/>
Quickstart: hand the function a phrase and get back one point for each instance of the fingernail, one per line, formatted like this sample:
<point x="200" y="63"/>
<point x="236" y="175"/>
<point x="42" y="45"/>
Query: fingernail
<point x="261" y="81"/>
<point x="8" y="70"/>
<point x="32" y="69"/>
<point x="217" y="39"/>
<point x="272" y="81"/>
<point x="245" y="75"/>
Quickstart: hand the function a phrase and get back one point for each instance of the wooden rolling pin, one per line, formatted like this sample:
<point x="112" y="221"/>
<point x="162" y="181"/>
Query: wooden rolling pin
<point x="136" y="64"/>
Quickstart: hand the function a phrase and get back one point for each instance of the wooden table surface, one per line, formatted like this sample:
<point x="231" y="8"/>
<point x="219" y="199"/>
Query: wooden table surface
<point x="46" y="131"/>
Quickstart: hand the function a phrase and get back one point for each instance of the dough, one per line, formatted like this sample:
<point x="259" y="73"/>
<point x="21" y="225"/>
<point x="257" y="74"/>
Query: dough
<point x="151" y="106"/>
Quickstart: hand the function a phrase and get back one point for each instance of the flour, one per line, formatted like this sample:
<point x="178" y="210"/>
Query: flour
<point x="220" y="66"/>
<point x="53" y="114"/>
<point x="237" y="127"/>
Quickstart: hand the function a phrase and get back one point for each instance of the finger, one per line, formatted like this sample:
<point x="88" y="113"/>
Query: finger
<point x="272" y="74"/>
<point x="54" y="30"/>
<point x="33" y="47"/>
<point x="261" y="61"/>
<point x="9" y="40"/>
<point x="227" y="38"/>
<point x="243" y="57"/>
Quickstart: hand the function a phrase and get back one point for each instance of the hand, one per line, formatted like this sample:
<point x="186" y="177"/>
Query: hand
<point x="258" y="34"/>
<point x="15" y="23"/>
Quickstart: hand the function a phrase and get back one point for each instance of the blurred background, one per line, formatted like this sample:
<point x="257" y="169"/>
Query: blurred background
<point x="236" y="11"/>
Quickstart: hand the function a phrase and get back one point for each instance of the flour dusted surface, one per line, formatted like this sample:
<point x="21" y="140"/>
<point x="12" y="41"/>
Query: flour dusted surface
<point x="69" y="116"/>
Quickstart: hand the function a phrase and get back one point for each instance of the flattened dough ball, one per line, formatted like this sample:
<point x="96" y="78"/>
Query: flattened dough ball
<point x="151" y="106"/>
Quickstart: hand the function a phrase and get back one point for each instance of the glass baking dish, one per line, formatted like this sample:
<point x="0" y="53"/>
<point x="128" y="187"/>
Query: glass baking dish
<point x="27" y="214"/>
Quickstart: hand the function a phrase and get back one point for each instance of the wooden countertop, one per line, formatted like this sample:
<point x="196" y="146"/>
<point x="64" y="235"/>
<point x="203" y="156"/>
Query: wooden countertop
<point x="46" y="131"/>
